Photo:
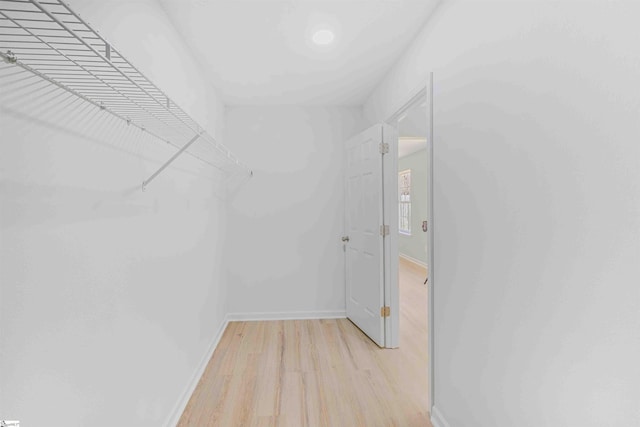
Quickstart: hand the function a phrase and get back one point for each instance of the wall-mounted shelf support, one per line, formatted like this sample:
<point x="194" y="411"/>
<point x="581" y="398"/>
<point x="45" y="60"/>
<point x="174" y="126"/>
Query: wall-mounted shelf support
<point x="168" y="162"/>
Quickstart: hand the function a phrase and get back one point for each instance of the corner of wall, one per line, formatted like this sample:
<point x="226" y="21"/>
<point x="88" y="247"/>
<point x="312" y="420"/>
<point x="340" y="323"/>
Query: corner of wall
<point x="176" y="413"/>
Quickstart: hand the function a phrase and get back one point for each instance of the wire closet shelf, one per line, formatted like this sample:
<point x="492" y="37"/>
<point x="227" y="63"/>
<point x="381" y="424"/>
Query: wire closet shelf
<point x="53" y="42"/>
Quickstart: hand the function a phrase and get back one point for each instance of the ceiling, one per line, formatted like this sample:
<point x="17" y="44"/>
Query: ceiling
<point x="259" y="52"/>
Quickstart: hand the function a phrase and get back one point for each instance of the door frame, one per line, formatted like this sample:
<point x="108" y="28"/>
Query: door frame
<point x="390" y="183"/>
<point x="390" y="242"/>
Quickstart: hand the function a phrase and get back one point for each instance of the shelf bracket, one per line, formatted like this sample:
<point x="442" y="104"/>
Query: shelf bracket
<point x="9" y="57"/>
<point x="168" y="162"/>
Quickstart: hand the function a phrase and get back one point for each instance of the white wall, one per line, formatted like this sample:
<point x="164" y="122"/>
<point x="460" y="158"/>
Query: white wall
<point x="284" y="252"/>
<point x="537" y="209"/>
<point x="109" y="297"/>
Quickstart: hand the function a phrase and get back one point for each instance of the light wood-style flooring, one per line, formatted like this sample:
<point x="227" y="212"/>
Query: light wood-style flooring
<point x="318" y="373"/>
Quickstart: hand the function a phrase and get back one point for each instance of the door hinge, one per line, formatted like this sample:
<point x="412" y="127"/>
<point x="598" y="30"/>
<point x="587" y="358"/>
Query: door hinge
<point x="384" y="230"/>
<point x="384" y="148"/>
<point x="385" y="311"/>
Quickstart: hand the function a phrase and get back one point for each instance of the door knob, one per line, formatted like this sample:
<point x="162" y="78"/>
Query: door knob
<point x="345" y="238"/>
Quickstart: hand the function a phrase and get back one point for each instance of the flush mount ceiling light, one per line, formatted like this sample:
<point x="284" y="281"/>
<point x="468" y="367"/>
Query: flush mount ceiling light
<point x="323" y="37"/>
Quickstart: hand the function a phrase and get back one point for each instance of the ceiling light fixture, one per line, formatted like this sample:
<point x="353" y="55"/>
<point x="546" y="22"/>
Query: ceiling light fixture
<point x="323" y="37"/>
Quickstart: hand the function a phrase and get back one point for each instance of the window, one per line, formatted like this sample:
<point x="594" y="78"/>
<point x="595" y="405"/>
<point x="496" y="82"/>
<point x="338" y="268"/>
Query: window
<point x="404" y="201"/>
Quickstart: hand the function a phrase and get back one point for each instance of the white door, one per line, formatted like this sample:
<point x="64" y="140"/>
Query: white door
<point x="364" y="249"/>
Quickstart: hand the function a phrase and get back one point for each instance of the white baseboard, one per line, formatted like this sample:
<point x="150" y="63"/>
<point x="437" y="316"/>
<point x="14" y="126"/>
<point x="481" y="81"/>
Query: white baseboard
<point x="437" y="419"/>
<point x="288" y="315"/>
<point x="413" y="260"/>
<point x="191" y="386"/>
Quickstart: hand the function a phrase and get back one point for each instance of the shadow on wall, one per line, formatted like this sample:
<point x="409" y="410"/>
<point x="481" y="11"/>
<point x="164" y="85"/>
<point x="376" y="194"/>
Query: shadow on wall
<point x="93" y="269"/>
<point x="28" y="102"/>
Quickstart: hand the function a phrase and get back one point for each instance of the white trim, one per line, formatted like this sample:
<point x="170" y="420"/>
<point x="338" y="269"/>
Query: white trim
<point x="431" y="244"/>
<point x="413" y="260"/>
<point x="195" y="378"/>
<point x="390" y="209"/>
<point x="413" y="139"/>
<point x="288" y="315"/>
<point x="437" y="419"/>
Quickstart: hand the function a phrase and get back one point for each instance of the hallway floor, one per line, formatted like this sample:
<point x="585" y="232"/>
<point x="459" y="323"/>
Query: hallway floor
<point x="318" y="373"/>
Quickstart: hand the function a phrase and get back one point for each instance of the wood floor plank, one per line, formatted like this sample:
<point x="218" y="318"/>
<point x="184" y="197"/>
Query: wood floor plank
<point x="318" y="373"/>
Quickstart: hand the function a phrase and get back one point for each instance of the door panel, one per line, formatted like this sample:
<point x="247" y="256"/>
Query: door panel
<point x="363" y="216"/>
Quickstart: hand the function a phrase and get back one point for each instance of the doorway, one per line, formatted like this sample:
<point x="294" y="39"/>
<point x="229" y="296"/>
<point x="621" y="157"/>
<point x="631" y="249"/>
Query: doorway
<point x="413" y="253"/>
<point x="378" y="194"/>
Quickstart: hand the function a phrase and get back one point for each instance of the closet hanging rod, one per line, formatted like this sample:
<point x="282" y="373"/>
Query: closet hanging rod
<point x="10" y="58"/>
<point x="106" y="58"/>
<point x="51" y="41"/>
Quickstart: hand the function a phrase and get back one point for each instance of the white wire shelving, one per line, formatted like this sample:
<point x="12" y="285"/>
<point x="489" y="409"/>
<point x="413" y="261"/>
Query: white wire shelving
<point x="50" y="40"/>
